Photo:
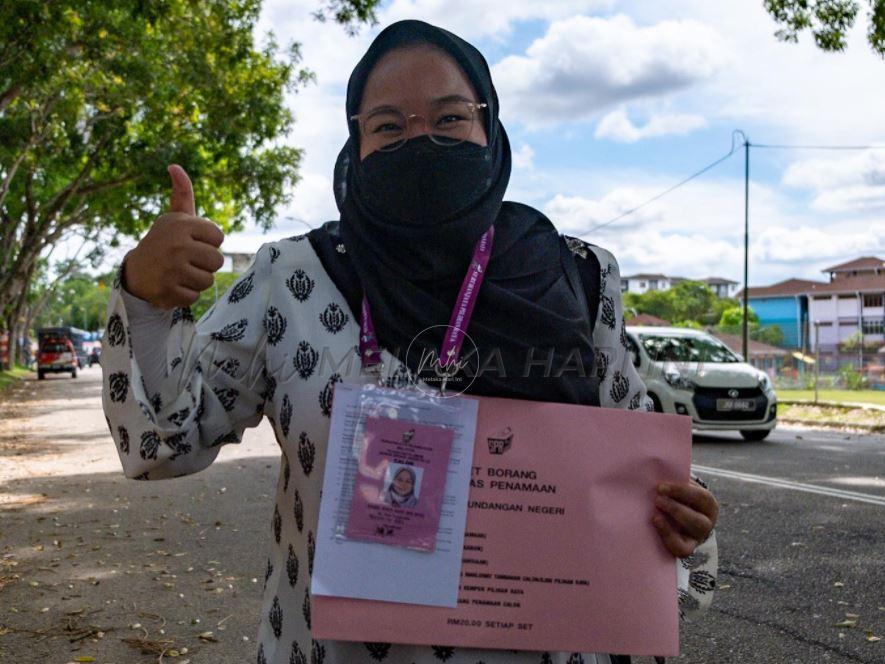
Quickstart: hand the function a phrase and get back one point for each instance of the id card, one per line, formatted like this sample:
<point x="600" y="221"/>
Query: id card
<point x="400" y="483"/>
<point x="370" y="444"/>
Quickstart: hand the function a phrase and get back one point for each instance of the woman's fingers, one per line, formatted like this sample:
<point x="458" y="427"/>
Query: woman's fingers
<point x="688" y="520"/>
<point x="206" y="257"/>
<point x="677" y="543"/>
<point x="196" y="279"/>
<point x="693" y="495"/>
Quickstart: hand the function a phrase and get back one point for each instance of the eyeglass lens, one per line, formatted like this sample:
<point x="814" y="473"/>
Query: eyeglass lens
<point x="449" y="123"/>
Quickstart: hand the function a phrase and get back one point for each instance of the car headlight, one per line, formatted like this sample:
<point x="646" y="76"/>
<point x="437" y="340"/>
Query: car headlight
<point x="678" y="381"/>
<point x="764" y="382"/>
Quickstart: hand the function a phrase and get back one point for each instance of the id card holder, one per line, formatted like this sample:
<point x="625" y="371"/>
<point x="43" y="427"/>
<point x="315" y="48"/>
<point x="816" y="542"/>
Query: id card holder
<point x="396" y="467"/>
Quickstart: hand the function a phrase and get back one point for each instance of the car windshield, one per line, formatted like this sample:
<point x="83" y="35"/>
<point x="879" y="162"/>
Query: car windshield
<point x="686" y="349"/>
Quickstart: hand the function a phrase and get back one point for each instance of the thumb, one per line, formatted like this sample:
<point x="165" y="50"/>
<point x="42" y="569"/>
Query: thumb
<point x="182" y="191"/>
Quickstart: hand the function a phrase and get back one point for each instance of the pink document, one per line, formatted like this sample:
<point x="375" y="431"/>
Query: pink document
<point x="560" y="552"/>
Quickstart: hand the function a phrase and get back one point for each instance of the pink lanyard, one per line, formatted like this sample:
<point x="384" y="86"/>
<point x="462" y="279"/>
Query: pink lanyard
<point x="370" y="352"/>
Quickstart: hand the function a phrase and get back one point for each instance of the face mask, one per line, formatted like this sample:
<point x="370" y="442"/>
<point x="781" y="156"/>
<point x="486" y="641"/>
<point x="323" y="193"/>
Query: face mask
<point x="422" y="183"/>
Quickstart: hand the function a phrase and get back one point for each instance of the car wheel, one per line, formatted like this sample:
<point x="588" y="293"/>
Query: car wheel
<point x="41" y="375"/>
<point x="656" y="403"/>
<point x="73" y="373"/>
<point x="755" y="435"/>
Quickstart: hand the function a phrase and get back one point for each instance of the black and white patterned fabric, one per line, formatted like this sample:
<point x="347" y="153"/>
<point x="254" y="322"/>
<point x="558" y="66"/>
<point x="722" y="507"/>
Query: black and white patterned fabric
<point x="176" y="390"/>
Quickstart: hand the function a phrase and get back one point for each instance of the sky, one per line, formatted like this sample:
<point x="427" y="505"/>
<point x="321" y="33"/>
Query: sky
<point x="608" y="103"/>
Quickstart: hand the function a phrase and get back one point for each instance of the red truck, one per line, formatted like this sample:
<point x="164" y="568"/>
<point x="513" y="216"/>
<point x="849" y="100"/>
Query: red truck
<point x="56" y="354"/>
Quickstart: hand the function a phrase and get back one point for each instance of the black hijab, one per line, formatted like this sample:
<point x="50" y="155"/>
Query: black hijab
<point x="527" y="315"/>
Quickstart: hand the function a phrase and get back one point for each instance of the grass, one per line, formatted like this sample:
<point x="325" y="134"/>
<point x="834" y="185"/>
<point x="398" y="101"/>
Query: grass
<point x="833" y="416"/>
<point x="876" y="397"/>
<point x="7" y="378"/>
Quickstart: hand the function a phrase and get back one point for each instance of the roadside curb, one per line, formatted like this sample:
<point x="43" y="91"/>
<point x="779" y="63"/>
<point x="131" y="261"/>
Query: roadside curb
<point x="845" y="405"/>
<point x="867" y="428"/>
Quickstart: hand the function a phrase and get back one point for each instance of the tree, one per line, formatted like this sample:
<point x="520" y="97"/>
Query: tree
<point x="733" y="318"/>
<point x="96" y="98"/>
<point x="691" y="300"/>
<point x="828" y="20"/>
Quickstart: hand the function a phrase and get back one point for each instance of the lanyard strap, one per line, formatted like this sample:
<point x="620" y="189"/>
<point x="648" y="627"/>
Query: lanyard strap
<point x="370" y="352"/>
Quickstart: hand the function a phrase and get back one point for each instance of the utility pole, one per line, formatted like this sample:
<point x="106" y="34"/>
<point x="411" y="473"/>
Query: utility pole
<point x="745" y="333"/>
<point x="816" y="356"/>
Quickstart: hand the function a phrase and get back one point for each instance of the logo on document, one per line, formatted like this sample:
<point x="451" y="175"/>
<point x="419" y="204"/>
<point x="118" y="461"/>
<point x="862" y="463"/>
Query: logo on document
<point x="501" y="441"/>
<point x="408" y="435"/>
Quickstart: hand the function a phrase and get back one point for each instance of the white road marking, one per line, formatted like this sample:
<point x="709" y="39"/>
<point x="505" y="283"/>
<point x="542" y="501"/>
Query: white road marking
<point x="796" y="486"/>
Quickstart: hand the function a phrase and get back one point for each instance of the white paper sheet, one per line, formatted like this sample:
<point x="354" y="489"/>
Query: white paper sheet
<point x="366" y="570"/>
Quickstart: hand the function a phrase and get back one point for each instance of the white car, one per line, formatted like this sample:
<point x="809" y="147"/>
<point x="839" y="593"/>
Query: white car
<point x="689" y="372"/>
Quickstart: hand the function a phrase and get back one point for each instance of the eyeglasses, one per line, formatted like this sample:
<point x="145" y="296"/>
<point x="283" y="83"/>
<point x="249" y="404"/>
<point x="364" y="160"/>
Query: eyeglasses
<point x="387" y="128"/>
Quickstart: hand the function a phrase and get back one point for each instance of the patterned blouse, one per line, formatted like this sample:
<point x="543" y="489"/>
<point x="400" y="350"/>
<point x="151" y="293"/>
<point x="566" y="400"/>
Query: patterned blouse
<point x="176" y="390"/>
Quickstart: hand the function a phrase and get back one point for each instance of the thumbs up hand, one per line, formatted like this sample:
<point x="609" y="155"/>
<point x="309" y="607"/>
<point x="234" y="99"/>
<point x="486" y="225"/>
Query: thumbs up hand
<point x="175" y="261"/>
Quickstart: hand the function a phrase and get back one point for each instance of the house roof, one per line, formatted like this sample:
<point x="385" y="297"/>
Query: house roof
<point x="784" y="288"/>
<point x="646" y="276"/>
<point x="755" y="348"/>
<point x="868" y="283"/>
<point x="647" y="320"/>
<point x="862" y="263"/>
<point x="718" y="280"/>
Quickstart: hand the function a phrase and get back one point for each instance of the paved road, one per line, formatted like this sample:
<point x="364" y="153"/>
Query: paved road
<point x="84" y="551"/>
<point x="795" y="561"/>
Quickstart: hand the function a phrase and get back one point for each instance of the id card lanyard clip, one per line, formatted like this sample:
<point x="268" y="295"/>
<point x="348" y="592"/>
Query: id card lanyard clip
<point x="450" y="350"/>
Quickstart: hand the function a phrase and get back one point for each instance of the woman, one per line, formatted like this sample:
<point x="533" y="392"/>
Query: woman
<point x="414" y="197"/>
<point x="401" y="491"/>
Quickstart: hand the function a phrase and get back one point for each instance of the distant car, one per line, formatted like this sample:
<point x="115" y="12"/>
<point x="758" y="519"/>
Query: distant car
<point x="56" y="355"/>
<point x="689" y="372"/>
<point x="95" y="355"/>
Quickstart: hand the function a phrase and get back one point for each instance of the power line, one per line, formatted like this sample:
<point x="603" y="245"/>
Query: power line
<point x="816" y="147"/>
<point x="691" y="177"/>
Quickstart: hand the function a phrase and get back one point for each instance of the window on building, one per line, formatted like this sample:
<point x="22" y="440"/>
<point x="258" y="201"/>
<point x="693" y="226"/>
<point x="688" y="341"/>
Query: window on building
<point x="848" y="296"/>
<point x="653" y="285"/>
<point x="820" y="297"/>
<point x="873" y="299"/>
<point x="874" y="326"/>
<point x="642" y="284"/>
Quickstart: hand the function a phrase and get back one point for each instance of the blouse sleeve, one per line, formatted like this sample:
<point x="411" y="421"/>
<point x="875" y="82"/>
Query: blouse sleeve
<point x="621" y="386"/>
<point x="211" y="385"/>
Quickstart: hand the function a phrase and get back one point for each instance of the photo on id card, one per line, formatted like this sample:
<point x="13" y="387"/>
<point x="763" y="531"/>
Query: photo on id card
<point x="400" y="483"/>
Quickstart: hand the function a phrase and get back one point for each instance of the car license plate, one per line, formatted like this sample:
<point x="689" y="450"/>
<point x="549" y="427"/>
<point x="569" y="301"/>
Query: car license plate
<point x="735" y="404"/>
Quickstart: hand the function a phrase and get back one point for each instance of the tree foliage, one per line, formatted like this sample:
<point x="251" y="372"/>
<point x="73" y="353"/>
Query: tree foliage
<point x="828" y="21"/>
<point x="97" y="98"/>
<point x="686" y="301"/>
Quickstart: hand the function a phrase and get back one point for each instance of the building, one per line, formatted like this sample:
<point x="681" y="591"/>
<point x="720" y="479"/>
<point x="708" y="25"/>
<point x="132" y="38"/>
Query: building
<point x="851" y="302"/>
<point x="642" y="283"/>
<point x="645" y="282"/>
<point x="722" y="287"/>
<point x="784" y="304"/>
<point x="236" y="262"/>
<point x="845" y="306"/>
<point x="865" y="266"/>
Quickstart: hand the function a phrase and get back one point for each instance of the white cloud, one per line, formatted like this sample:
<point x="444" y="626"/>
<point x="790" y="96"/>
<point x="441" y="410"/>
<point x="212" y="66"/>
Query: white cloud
<point x="697" y="230"/>
<point x="618" y="126"/>
<point x="481" y="18"/>
<point x="577" y="214"/>
<point x="808" y="245"/>
<point x="842" y="184"/>
<point x="785" y="93"/>
<point x="585" y="64"/>
<point x="524" y="157"/>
